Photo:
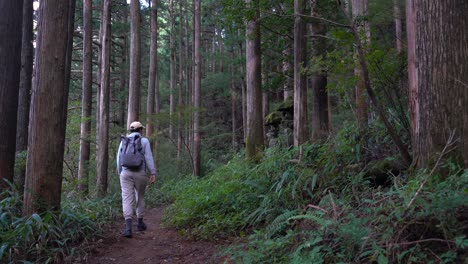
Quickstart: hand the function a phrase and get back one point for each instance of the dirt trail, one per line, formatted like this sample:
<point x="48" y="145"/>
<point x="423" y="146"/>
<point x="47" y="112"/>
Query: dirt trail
<point x="155" y="245"/>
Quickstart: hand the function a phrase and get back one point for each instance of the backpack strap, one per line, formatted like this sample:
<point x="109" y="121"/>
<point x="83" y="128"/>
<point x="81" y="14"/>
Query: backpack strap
<point x="125" y="141"/>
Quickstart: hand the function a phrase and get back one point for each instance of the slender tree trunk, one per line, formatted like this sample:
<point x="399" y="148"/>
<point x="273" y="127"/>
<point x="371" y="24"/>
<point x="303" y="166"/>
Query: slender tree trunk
<point x="438" y="79"/>
<point x="123" y="91"/>
<point x="243" y="88"/>
<point x="378" y="106"/>
<point x="359" y="11"/>
<point x="157" y="100"/>
<point x="318" y="80"/>
<point x="86" y="100"/>
<point x="152" y="69"/>
<point x="172" y="70"/>
<point x="233" y="107"/>
<point x="10" y="68"/>
<point x="24" y="97"/>
<point x="287" y="86"/>
<point x="180" y="102"/>
<point x="48" y="113"/>
<point x="398" y="26"/>
<point x="197" y="91"/>
<point x="189" y="79"/>
<point x="135" y="63"/>
<point x="103" y="153"/>
<point x="254" y="140"/>
<point x="300" y="78"/>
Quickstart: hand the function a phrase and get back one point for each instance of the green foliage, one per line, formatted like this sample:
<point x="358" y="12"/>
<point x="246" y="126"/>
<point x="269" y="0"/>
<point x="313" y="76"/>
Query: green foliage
<point x="323" y="210"/>
<point x="233" y="197"/>
<point x="379" y="227"/>
<point x="51" y="237"/>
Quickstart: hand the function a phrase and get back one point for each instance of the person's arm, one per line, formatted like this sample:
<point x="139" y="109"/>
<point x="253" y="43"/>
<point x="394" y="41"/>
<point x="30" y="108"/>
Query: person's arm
<point x="119" y="168"/>
<point x="149" y="160"/>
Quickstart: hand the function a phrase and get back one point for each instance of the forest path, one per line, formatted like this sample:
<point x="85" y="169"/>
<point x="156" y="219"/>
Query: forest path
<point x="155" y="245"/>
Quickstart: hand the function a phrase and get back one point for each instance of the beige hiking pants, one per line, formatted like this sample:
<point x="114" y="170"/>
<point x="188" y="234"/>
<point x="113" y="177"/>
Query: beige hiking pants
<point x="133" y="184"/>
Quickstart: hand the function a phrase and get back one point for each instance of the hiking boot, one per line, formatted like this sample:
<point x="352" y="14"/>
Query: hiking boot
<point x="127" y="232"/>
<point x="141" y="226"/>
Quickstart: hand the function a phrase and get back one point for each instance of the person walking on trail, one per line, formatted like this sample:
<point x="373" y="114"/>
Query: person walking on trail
<point x="134" y="158"/>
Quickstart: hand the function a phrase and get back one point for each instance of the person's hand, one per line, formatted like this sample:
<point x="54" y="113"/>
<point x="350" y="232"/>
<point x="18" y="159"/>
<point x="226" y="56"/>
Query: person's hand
<point x="152" y="179"/>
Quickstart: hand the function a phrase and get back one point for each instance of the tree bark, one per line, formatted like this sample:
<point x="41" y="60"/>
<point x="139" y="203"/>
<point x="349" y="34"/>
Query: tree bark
<point x="172" y="70"/>
<point x="300" y="77"/>
<point x="86" y="100"/>
<point x="103" y="143"/>
<point x="197" y="91"/>
<point x="287" y="89"/>
<point x="398" y="26"/>
<point x="360" y="12"/>
<point x="318" y="80"/>
<point x="243" y="92"/>
<point x="234" y="102"/>
<point x="24" y="97"/>
<point x="438" y="79"/>
<point x="10" y="68"/>
<point x="180" y="102"/>
<point x="254" y="139"/>
<point x="123" y="91"/>
<point x="46" y="138"/>
<point x="135" y="63"/>
<point x="152" y="74"/>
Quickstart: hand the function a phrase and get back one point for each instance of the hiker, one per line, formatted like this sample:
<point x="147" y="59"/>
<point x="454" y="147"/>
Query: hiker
<point x="133" y="178"/>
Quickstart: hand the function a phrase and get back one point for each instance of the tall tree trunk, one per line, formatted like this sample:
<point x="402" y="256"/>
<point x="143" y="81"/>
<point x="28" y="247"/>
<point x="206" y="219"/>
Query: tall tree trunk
<point x="378" y="106"/>
<point x="300" y="78"/>
<point x="10" y="68"/>
<point x="234" y="103"/>
<point x="180" y="102"/>
<point x="287" y="89"/>
<point x="86" y="100"/>
<point x="359" y="12"/>
<point x="254" y="139"/>
<point x="152" y="68"/>
<point x="123" y="91"/>
<point x="243" y="88"/>
<point x="398" y="26"/>
<point x="172" y="70"/>
<point x="318" y="80"/>
<point x="197" y="91"/>
<point x="189" y="79"/>
<point x="157" y="100"/>
<point x="24" y="97"/>
<point x="46" y="140"/>
<point x="438" y="79"/>
<point x="103" y="143"/>
<point x="135" y="63"/>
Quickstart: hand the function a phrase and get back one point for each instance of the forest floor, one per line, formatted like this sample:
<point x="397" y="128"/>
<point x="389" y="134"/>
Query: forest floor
<point x="155" y="245"/>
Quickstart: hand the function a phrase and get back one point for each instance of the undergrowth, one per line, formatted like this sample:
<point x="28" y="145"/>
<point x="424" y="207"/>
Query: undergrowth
<point x="52" y="237"/>
<point x="323" y="208"/>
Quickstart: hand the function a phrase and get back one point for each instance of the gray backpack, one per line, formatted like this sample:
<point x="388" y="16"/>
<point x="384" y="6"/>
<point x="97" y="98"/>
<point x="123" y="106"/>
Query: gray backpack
<point x="130" y="155"/>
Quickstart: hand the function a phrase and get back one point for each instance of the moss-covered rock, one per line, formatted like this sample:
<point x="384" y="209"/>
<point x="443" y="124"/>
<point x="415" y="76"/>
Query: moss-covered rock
<point x="287" y="105"/>
<point x="273" y="119"/>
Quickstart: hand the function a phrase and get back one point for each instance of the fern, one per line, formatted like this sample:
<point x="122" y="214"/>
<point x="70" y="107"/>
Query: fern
<point x="280" y="223"/>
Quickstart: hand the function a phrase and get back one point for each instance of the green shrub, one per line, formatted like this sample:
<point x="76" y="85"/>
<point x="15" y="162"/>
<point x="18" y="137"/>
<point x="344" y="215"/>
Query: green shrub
<point x="51" y="237"/>
<point x="379" y="228"/>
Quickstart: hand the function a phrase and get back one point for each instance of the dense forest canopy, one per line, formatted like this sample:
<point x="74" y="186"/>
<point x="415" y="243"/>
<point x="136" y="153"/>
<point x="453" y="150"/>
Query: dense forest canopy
<point x="333" y="90"/>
